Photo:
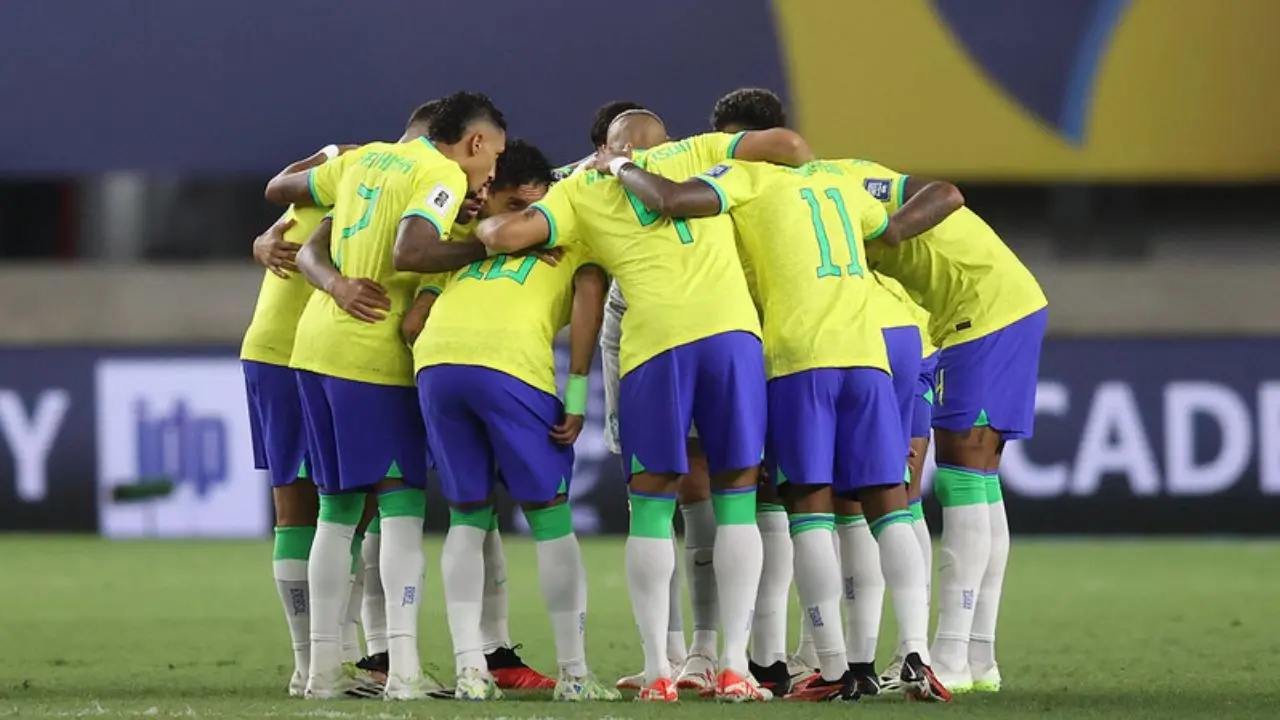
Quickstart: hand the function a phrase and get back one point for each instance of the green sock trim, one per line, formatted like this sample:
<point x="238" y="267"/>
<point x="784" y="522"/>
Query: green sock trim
<point x="917" y="511"/>
<point x="493" y="524"/>
<point x="293" y="543"/>
<point x="481" y="518"/>
<point x="550" y="523"/>
<point x="851" y="520"/>
<point x="375" y="525"/>
<point x="769" y="507"/>
<point x="995" y="493"/>
<point x="804" y="522"/>
<point x="892" y="518"/>
<point x="956" y="487"/>
<point x="357" y="543"/>
<point x="734" y="507"/>
<point x="651" y="516"/>
<point x="342" y="509"/>
<point x="406" y="502"/>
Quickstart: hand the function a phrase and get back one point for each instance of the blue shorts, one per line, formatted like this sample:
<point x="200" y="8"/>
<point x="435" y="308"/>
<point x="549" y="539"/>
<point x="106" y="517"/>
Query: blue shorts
<point x="717" y="383"/>
<point x="992" y="380"/>
<point x="359" y="433"/>
<point x="486" y="427"/>
<point x="835" y="426"/>
<point x="922" y="418"/>
<point x="275" y="421"/>
<point x="903" y="345"/>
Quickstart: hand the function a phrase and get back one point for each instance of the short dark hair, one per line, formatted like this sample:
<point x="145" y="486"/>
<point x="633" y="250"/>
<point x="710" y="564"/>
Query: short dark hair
<point x="448" y="120"/>
<point x="604" y="117"/>
<point x="521" y="164"/>
<point x="422" y="114"/>
<point x="751" y="108"/>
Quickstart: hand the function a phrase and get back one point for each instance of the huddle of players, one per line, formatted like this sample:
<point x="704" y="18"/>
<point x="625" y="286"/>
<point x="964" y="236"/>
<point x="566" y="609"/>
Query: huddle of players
<point x="692" y="356"/>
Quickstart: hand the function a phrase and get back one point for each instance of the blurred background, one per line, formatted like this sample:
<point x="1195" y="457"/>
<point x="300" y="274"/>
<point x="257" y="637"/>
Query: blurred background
<point x="1127" y="150"/>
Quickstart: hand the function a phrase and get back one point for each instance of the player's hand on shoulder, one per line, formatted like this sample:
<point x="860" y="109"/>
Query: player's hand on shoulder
<point x="361" y="298"/>
<point x="274" y="252"/>
<point x="600" y="163"/>
<point x="566" y="433"/>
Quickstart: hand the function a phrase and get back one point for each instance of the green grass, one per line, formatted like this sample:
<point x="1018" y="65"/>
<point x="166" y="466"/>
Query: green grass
<point x="1089" y="630"/>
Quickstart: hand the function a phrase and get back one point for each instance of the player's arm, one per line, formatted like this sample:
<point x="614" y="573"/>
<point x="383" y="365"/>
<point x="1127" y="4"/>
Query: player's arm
<point x="361" y="298"/>
<point x="590" y="287"/>
<point x="549" y="223"/>
<point x="295" y="184"/>
<point x="927" y="203"/>
<point x="420" y="248"/>
<point x="273" y="251"/>
<point x="416" y="317"/>
<point x="779" y="146"/>
<point x="688" y="199"/>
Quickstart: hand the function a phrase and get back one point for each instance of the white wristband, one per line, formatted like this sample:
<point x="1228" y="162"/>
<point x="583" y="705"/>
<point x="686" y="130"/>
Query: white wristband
<point x="616" y="165"/>
<point x="329" y="151"/>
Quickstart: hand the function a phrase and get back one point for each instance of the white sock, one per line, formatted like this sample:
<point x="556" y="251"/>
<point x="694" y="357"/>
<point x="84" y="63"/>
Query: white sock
<point x="966" y="550"/>
<point x="863" y="588"/>
<point x="564" y="589"/>
<point x="649" y="563"/>
<point x="817" y="573"/>
<point x="739" y="561"/>
<point x="805" y="652"/>
<point x="769" y="628"/>
<point x="903" y="570"/>
<point x="493" y="614"/>
<point x="921" y="529"/>
<point x="699" y="557"/>
<point x="351" y="621"/>
<point x="676" y="649"/>
<point x="462" y="568"/>
<point x="329" y="582"/>
<point x="402" y="562"/>
<point x="291" y="584"/>
<point x="982" y="638"/>
<point x="373" y="608"/>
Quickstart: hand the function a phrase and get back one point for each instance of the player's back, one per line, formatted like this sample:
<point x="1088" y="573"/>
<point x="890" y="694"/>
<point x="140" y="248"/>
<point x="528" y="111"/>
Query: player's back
<point x="802" y="233"/>
<point x="269" y="338"/>
<point x="382" y="184"/>
<point x="960" y="271"/>
<point x="501" y="313"/>
<point x="893" y="305"/>
<point x="682" y="279"/>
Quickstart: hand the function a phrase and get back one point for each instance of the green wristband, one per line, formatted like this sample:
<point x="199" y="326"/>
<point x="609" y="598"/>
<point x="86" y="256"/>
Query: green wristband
<point x="575" y="395"/>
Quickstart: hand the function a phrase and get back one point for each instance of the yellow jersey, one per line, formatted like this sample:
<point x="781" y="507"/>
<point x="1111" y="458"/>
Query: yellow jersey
<point x="802" y="230"/>
<point x="960" y="271"/>
<point x="682" y="279"/>
<point x="269" y="338"/>
<point x="891" y="302"/>
<point x="501" y="313"/>
<point x="372" y="189"/>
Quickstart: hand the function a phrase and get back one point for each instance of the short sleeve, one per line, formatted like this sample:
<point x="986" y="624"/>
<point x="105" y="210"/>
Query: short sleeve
<point x="716" y="147"/>
<point x="322" y="180"/>
<point x="437" y="195"/>
<point x="733" y="181"/>
<point x="557" y="208"/>
<point x="874" y="218"/>
<point x="434" y="283"/>
<point x="885" y="185"/>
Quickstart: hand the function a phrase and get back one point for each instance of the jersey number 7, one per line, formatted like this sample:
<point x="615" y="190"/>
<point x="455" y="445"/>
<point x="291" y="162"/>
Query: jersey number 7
<point x="647" y="217"/>
<point x="829" y="268"/>
<point x="370" y="196"/>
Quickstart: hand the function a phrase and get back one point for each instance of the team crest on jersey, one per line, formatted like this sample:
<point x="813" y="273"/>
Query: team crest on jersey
<point x="440" y="198"/>
<point x="879" y="189"/>
<point x="717" y="171"/>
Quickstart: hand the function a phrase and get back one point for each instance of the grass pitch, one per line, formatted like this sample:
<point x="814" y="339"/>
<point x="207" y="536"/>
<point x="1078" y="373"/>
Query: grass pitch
<point x="93" y="628"/>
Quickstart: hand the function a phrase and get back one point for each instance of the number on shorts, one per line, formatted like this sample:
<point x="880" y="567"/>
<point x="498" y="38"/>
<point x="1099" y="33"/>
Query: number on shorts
<point x="497" y="269"/>
<point x="647" y="217"/>
<point x="370" y="196"/>
<point x="828" y="268"/>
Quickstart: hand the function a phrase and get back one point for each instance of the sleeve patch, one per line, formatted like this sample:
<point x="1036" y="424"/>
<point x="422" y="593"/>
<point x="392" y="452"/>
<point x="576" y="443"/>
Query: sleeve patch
<point x="880" y="189"/>
<point x="440" y="199"/>
<point x="717" y="171"/>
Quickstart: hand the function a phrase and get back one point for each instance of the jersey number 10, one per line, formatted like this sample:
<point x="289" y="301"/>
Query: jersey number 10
<point x="829" y="268"/>
<point x="498" y="270"/>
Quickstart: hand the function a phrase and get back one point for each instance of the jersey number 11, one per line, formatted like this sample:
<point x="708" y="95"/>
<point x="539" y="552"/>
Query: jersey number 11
<point x="829" y="268"/>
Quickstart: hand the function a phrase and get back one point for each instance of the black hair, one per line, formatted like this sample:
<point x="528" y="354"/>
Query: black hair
<point x="604" y="116"/>
<point x="521" y="164"/>
<point x="751" y="108"/>
<point x="422" y="114"/>
<point x="449" y="116"/>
